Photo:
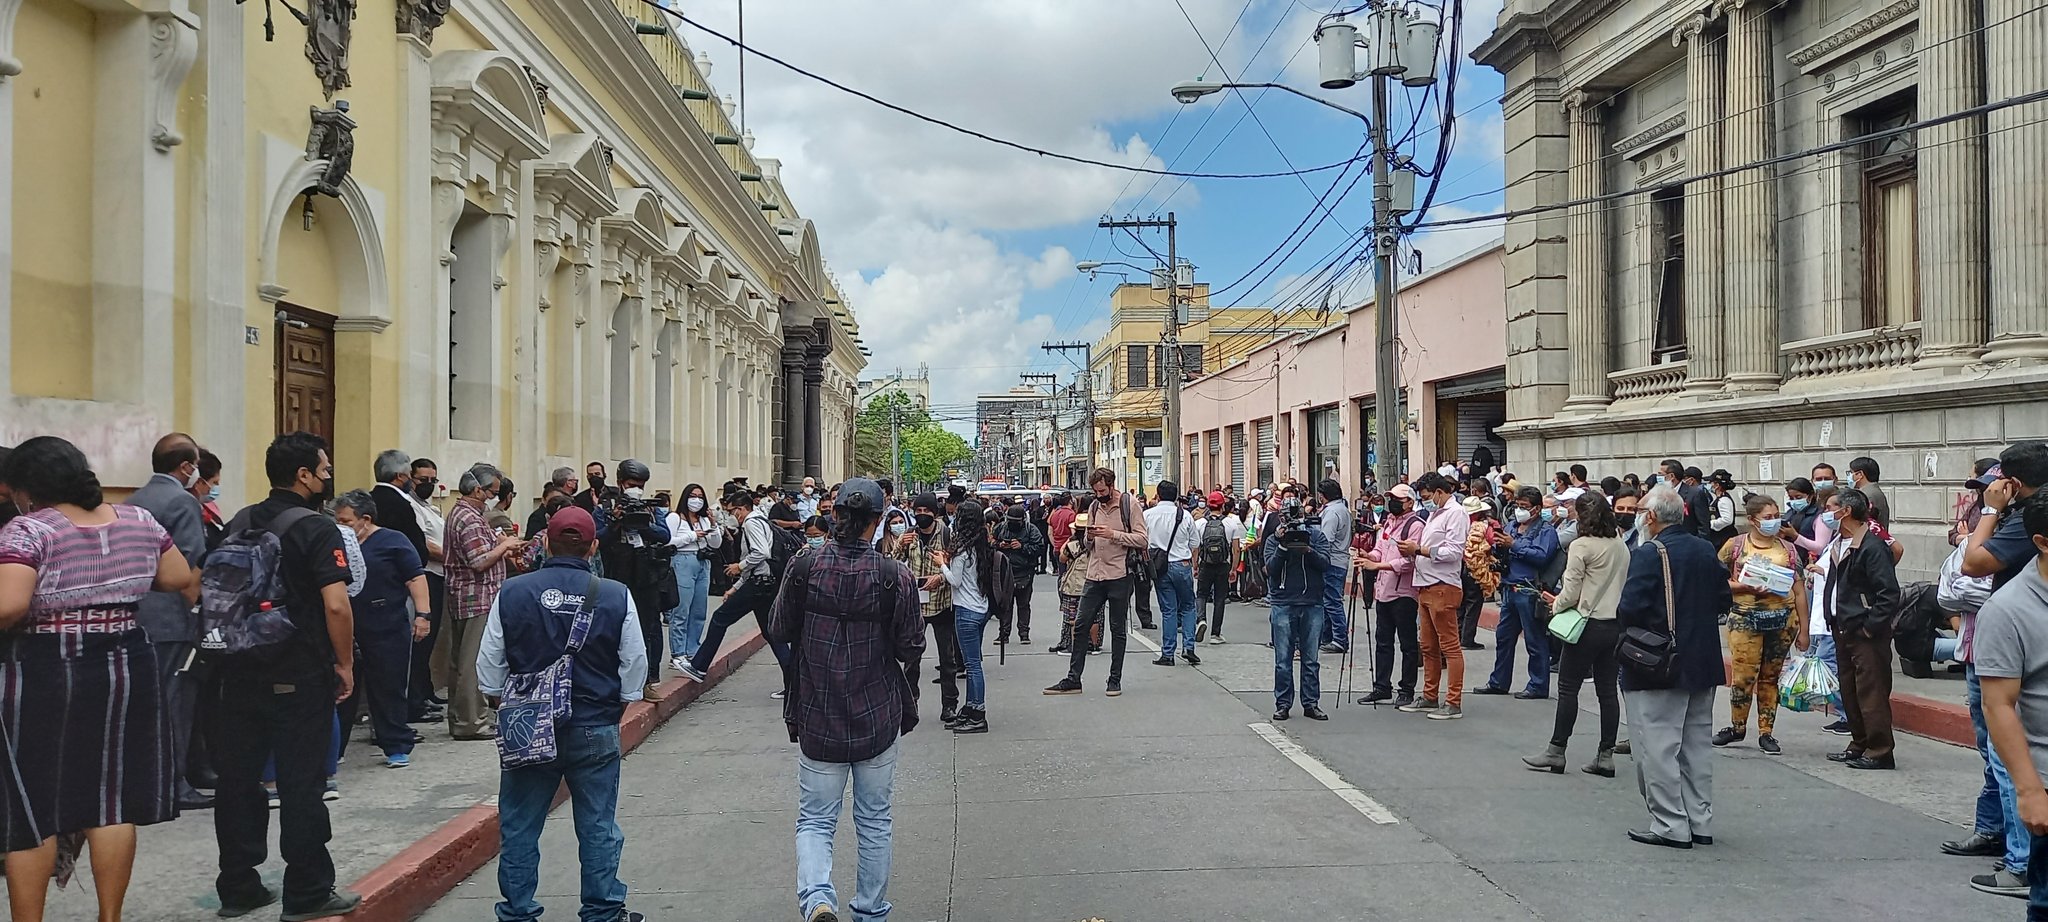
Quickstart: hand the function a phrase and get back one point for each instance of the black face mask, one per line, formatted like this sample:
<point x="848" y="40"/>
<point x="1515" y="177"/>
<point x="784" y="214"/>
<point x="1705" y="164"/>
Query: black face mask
<point x="596" y="482"/>
<point x="424" y="489"/>
<point x="925" y="521"/>
<point x="1625" y="520"/>
<point x="1395" y="506"/>
<point x="326" y="490"/>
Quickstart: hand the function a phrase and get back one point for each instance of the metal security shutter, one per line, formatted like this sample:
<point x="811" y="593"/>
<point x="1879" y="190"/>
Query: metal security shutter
<point x="1476" y="421"/>
<point x="1237" y="459"/>
<point x="1269" y="453"/>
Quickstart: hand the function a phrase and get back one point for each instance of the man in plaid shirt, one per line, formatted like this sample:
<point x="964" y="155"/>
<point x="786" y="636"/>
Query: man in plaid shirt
<point x="851" y="616"/>
<point x="475" y="556"/>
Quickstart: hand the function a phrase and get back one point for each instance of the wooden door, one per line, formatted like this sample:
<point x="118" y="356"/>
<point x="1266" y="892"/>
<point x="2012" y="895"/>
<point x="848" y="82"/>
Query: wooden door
<point x="305" y="373"/>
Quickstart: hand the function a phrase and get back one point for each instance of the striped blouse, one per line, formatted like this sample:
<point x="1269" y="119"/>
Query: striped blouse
<point x="88" y="577"/>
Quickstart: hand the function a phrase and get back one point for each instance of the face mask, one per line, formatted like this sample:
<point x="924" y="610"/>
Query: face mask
<point x="925" y="521"/>
<point x="596" y="482"/>
<point x="213" y="494"/>
<point x="818" y="541"/>
<point x="635" y="492"/>
<point x="1769" y="527"/>
<point x="696" y="504"/>
<point x="1548" y="514"/>
<point x="807" y="491"/>
<point x="424" y="490"/>
<point x="1823" y="484"/>
<point x="1522" y="515"/>
<point x="1796" y="505"/>
<point x="1655" y="479"/>
<point x="1429" y="505"/>
<point x="1830" y="519"/>
<point x="898" y="528"/>
<point x="1380" y="510"/>
<point x="1625" y="520"/>
<point x="326" y="490"/>
<point x="192" y="481"/>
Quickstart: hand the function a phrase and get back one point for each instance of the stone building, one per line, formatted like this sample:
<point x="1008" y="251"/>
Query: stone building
<point x="1885" y="294"/>
<point x="517" y="231"/>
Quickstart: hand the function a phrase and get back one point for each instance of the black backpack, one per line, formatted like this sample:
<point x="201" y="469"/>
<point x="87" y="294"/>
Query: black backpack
<point x="1214" y="552"/>
<point x="785" y="543"/>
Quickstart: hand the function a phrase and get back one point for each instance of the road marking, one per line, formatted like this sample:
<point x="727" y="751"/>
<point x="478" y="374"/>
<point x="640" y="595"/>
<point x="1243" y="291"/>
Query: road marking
<point x="1144" y="641"/>
<point x="1370" y="808"/>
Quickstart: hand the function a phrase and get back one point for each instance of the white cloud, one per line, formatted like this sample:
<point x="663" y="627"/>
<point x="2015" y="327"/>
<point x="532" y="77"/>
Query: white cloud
<point x="1054" y="266"/>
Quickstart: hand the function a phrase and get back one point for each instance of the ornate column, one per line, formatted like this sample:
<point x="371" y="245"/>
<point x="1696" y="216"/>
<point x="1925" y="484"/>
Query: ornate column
<point x="1953" y="268"/>
<point x="1750" y="202"/>
<point x="814" y="402"/>
<point x="1588" y="257"/>
<point x="793" y="349"/>
<point x="1705" y="362"/>
<point x="2016" y="63"/>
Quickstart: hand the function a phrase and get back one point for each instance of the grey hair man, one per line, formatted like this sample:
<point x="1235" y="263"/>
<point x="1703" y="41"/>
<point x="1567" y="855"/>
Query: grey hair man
<point x="476" y="563"/>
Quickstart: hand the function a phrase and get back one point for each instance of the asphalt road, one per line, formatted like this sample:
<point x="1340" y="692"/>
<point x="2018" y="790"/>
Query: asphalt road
<point x="1171" y="802"/>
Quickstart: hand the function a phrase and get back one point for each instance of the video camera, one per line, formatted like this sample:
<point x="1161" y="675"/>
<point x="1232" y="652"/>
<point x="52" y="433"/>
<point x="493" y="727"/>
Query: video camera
<point x="1296" y="529"/>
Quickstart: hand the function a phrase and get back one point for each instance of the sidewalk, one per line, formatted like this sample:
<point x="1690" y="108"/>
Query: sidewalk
<point x="401" y="837"/>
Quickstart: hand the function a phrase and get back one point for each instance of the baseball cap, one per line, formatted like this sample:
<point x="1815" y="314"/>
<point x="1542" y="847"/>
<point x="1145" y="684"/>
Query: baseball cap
<point x="1402" y="490"/>
<point x="1216" y="499"/>
<point x="1987" y="471"/>
<point x="572" y="523"/>
<point x="861" y="495"/>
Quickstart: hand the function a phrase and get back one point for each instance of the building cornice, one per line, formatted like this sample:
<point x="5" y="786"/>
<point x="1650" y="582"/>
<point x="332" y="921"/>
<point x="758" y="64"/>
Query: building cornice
<point x="1654" y="133"/>
<point x="1872" y="26"/>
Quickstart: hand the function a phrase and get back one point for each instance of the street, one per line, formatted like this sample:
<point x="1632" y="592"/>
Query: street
<point x="1168" y="803"/>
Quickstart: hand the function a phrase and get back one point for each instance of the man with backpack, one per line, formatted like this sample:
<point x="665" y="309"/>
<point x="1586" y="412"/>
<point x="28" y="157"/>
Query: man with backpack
<point x="1215" y="556"/>
<point x="1115" y="542"/>
<point x="277" y="681"/>
<point x="562" y="653"/>
<point x="764" y="551"/>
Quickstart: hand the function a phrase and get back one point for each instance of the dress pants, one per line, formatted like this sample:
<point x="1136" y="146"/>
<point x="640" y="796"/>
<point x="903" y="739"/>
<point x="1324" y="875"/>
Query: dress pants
<point x="180" y="696"/>
<point x="1437" y="630"/>
<point x="1672" y="736"/>
<point x="1396" y="620"/>
<point x="466" y="708"/>
<point x="1117" y="594"/>
<point x="428" y="672"/>
<point x="1469" y="608"/>
<point x="1866" y="679"/>
<point x="290" y="724"/>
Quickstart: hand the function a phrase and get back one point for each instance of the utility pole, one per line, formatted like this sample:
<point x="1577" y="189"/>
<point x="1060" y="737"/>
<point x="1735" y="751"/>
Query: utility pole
<point x="1170" y="364"/>
<point x="1386" y="389"/>
<point x="1087" y="379"/>
<point x="896" y="445"/>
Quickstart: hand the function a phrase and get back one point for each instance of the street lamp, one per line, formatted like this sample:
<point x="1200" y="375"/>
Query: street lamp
<point x="1190" y="91"/>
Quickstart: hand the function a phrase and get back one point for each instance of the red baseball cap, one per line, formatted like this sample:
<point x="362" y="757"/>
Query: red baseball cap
<point x="1216" y="499"/>
<point x="572" y="523"/>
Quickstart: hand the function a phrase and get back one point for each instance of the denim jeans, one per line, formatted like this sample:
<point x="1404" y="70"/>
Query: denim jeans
<point x="1178" y="611"/>
<point x="820" y="789"/>
<point x="1295" y="628"/>
<point x="1334" y="628"/>
<point x="1520" y="619"/>
<point x="970" y="626"/>
<point x="588" y="759"/>
<point x="1998" y="803"/>
<point x="686" y="620"/>
<point x="2037" y="881"/>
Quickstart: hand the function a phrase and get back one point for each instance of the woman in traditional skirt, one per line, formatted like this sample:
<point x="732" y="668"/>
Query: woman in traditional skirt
<point x="86" y="753"/>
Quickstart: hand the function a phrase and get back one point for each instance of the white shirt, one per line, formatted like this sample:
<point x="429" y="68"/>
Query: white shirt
<point x="1570" y="493"/>
<point x="687" y="540"/>
<point x="432" y="525"/>
<point x="1179" y="545"/>
<point x="966" y="582"/>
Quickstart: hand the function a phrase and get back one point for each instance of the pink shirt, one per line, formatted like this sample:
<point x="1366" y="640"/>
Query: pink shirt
<point x="1441" y="559"/>
<point x="1398" y="580"/>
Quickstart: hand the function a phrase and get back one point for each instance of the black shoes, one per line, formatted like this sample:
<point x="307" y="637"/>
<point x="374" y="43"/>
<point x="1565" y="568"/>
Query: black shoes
<point x="1377" y="695"/>
<point x="1978" y="845"/>
<point x="949" y="716"/>
<point x="1061" y="649"/>
<point x="1527" y="695"/>
<point x="1727" y="735"/>
<point x="1023" y="638"/>
<point x="1489" y="690"/>
<point x="972" y="720"/>
<point x="1473" y="645"/>
<point x="1314" y="713"/>
<point x="1702" y="840"/>
<point x="1866" y="763"/>
<point x="1163" y="661"/>
<point x="236" y="910"/>
<point x="197" y="800"/>
<point x="1846" y="755"/>
<point x="1114" y="688"/>
<point x="1280" y="715"/>
<point x="338" y="902"/>
<point x="1190" y="656"/>
<point x="1066" y="686"/>
<point x="1839" y="728"/>
<point x="1651" y="838"/>
<point x="1769" y="744"/>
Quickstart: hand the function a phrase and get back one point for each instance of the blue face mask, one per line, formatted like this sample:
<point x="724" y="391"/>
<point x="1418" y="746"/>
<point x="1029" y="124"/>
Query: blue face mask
<point x="818" y="541"/>
<point x="1547" y="514"/>
<point x="1655" y="480"/>
<point x="1429" y="505"/>
<point x="1796" y="505"/>
<point x="1830" y="520"/>
<point x="213" y="495"/>
<point x="1769" y="527"/>
<point x="1823" y="484"/>
<point x="1379" y="510"/>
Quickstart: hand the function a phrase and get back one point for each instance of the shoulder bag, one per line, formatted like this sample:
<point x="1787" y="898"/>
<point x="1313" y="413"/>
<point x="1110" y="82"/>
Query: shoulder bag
<point x="534" y="702"/>
<point x="1158" y="558"/>
<point x="1654" y="655"/>
<point x="1570" y="624"/>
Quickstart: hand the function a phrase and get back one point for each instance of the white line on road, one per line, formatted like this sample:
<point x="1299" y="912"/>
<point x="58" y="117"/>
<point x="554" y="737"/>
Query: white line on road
<point x="1372" y="809"/>
<point x="1144" y="641"/>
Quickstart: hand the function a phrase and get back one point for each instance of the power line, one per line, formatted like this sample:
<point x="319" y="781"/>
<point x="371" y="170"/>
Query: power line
<point x="970" y="132"/>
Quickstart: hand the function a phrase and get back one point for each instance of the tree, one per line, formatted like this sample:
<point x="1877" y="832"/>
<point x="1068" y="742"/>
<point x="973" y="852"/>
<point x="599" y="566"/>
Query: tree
<point x="931" y="448"/>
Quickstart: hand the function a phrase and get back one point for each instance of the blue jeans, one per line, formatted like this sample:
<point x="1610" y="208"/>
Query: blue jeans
<point x="820" y="788"/>
<point x="969" y="625"/>
<point x="1520" y="619"/>
<point x="1178" y="610"/>
<point x="1335" y="629"/>
<point x="1295" y="627"/>
<point x="1998" y="803"/>
<point x="588" y="759"/>
<point x="686" y="620"/>
<point x="2037" y="881"/>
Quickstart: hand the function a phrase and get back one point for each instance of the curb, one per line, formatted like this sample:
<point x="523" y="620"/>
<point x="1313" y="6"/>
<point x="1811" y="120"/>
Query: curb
<point x="1942" y="721"/>
<point x="404" y="886"/>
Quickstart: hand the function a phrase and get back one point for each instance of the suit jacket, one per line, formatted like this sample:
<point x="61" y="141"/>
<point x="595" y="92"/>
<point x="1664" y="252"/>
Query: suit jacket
<point x="164" y="616"/>
<point x="1864" y="587"/>
<point x="1700" y="593"/>
<point x="395" y="512"/>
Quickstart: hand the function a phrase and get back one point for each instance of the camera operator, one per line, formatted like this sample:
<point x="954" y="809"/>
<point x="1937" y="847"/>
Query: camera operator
<point x="1297" y="555"/>
<point x="633" y="543"/>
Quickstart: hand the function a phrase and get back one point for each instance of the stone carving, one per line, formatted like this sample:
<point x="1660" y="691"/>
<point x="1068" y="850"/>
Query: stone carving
<point x="1854" y="32"/>
<point x="419" y="18"/>
<point x="329" y="25"/>
<point x="1653" y="133"/>
<point x="333" y="140"/>
<point x="173" y="47"/>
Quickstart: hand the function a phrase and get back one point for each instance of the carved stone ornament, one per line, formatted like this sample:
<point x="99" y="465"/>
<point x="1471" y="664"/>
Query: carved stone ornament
<point x="419" y="18"/>
<point x="332" y="139"/>
<point x="329" y="25"/>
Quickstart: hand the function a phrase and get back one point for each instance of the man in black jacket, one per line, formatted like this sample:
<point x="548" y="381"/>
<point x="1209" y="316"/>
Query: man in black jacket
<point x="1862" y="593"/>
<point x="395" y="511"/>
<point x="1023" y="546"/>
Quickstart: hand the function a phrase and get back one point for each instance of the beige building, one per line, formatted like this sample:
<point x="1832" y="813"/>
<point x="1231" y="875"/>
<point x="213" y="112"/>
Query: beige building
<point x="1886" y="296"/>
<point x="520" y="231"/>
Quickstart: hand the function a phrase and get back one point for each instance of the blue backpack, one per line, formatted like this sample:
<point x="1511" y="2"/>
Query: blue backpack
<point x="242" y="608"/>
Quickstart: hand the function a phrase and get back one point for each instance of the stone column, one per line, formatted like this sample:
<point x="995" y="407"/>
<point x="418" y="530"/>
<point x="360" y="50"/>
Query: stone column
<point x="1953" y="268"/>
<point x="1705" y="352"/>
<point x="814" y="407"/>
<point x="1588" y="247"/>
<point x="1749" y="202"/>
<point x="793" y="411"/>
<point x="2016" y="63"/>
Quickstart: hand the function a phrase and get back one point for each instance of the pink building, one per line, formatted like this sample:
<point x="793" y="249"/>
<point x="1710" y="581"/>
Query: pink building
<point x="1301" y="408"/>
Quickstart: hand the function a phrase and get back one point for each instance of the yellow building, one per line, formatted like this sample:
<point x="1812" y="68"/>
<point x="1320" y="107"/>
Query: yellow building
<point x="1128" y="371"/>
<point x="520" y="231"/>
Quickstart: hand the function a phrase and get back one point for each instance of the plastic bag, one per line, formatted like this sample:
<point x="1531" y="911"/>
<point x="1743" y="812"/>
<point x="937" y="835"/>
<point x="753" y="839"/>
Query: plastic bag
<point x="1806" y="684"/>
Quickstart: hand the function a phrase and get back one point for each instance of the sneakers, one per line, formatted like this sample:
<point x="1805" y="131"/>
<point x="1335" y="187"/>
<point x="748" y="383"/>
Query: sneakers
<point x="1447" y="712"/>
<point x="1839" y="728"/>
<point x="1403" y="700"/>
<point x="1769" y="744"/>
<point x="269" y="896"/>
<point x="1114" y="688"/>
<point x="1216" y="640"/>
<point x="949" y="716"/>
<point x="338" y="902"/>
<point x="1061" y="650"/>
<point x="651" y="692"/>
<point x="397" y="760"/>
<point x="778" y="694"/>
<point x="1426" y="704"/>
<point x="972" y="720"/>
<point x="1333" y="647"/>
<point x="676" y="663"/>
<point x="1164" y="660"/>
<point x="331" y="793"/>
<point x="1066" y="686"/>
<point x="1201" y="631"/>
<point x="1189" y="655"/>
<point x="1726" y="735"/>
<point x="690" y="671"/>
<point x="270" y="797"/>
<point x="1377" y="695"/>
<point x="2001" y="882"/>
<point x="822" y="913"/>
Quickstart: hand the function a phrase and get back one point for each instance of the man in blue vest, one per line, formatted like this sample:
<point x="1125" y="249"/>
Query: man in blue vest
<point x="528" y="630"/>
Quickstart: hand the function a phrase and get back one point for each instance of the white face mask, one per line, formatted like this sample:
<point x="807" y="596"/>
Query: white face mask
<point x="809" y="490"/>
<point x="898" y="528"/>
<point x="635" y="492"/>
<point x="192" y="481"/>
<point x="696" y="504"/>
<point x="1521" y="515"/>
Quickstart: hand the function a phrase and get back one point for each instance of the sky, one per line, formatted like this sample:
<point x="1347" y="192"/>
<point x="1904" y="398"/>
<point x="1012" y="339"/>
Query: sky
<point x="959" y="253"/>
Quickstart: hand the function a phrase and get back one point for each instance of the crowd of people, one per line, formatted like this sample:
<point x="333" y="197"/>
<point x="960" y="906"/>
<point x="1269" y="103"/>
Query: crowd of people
<point x="246" y="648"/>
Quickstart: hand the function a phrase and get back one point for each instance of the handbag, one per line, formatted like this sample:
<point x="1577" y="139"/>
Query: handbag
<point x="534" y="702"/>
<point x="1568" y="625"/>
<point x="1654" y="655"/>
<point x="1156" y="559"/>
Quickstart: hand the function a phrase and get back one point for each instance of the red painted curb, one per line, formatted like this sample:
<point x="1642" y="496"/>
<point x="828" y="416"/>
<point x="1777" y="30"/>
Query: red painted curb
<point x="403" y="887"/>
